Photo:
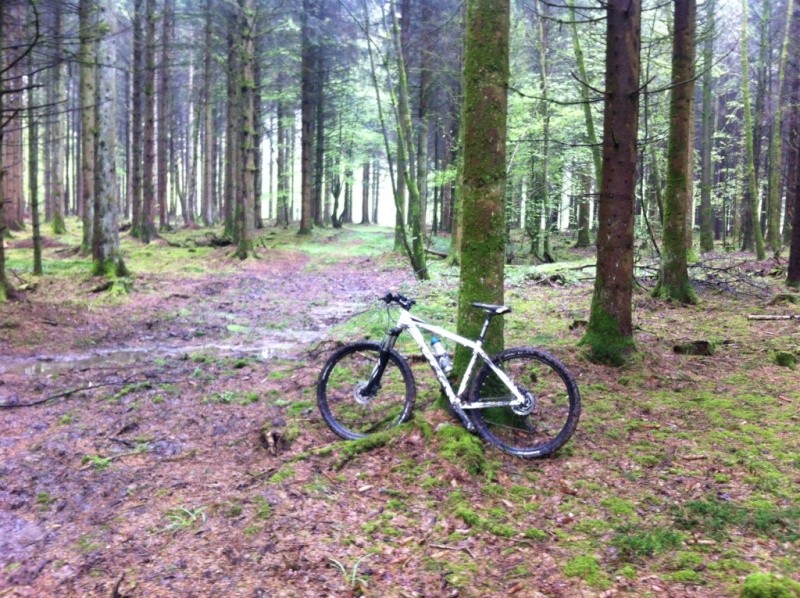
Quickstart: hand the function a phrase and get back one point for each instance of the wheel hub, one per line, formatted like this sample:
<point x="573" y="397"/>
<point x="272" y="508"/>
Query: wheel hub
<point x="359" y="396"/>
<point x="527" y="406"/>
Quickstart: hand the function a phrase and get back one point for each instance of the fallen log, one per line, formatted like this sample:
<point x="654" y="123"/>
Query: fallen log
<point x="774" y="317"/>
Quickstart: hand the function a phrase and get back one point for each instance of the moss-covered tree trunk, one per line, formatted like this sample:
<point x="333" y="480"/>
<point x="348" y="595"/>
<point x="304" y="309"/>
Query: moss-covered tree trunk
<point x="749" y="165"/>
<point x="148" y="227"/>
<point x="673" y="281"/>
<point x="244" y="220"/>
<point x="776" y="147"/>
<point x="136" y="120"/>
<point x="584" y="209"/>
<point x="486" y="71"/>
<point x="706" y="166"/>
<point x="609" y="335"/>
<point x="105" y="243"/>
<point x="59" y="125"/>
<point x="793" y="274"/>
<point x="405" y="157"/>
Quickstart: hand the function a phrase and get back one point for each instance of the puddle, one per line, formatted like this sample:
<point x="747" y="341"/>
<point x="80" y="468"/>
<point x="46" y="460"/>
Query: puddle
<point x="285" y="344"/>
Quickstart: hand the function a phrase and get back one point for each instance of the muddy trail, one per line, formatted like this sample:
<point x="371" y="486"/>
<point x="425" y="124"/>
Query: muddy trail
<point x="153" y="425"/>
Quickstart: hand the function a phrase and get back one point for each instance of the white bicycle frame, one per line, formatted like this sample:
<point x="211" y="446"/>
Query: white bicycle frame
<point x="413" y="324"/>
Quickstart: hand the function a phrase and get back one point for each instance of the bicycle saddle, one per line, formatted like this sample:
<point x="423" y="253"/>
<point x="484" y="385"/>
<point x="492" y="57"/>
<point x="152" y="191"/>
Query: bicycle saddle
<point x="495" y="310"/>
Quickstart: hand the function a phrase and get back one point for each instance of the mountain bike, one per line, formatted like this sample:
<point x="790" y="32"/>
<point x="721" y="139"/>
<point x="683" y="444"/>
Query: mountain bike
<point x="522" y="400"/>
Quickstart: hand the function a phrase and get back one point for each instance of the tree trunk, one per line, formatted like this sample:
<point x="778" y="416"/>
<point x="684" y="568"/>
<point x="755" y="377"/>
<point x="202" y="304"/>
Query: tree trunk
<point x="406" y="157"/>
<point x="136" y="121"/>
<point x="87" y="99"/>
<point x="706" y="166"/>
<point x="591" y="136"/>
<point x="486" y="72"/>
<point x="105" y="243"/>
<point x="609" y="334"/>
<point x="207" y="200"/>
<point x="306" y="109"/>
<point x="148" y="227"/>
<point x="164" y="118"/>
<point x="776" y="149"/>
<point x="365" y="193"/>
<point x="33" y="167"/>
<point x="232" y="117"/>
<point x="59" y="127"/>
<point x="750" y="169"/>
<point x="673" y="282"/>
<point x="245" y="190"/>
<point x="282" y="202"/>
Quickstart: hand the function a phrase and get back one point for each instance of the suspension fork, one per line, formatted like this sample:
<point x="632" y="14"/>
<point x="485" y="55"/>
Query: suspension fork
<point x="373" y="384"/>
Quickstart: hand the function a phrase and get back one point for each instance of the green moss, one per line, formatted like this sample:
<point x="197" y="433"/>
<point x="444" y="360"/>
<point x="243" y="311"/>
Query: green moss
<point x="588" y="569"/>
<point x="461" y="448"/>
<point x="534" y="533"/>
<point x="352" y="448"/>
<point x="467" y="515"/>
<point x="633" y="542"/>
<point x="785" y="359"/>
<point x="281" y="475"/>
<point x="618" y="506"/>
<point x="766" y="585"/>
<point x="604" y="339"/>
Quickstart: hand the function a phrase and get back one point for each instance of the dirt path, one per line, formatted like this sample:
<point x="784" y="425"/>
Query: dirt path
<point x="166" y="429"/>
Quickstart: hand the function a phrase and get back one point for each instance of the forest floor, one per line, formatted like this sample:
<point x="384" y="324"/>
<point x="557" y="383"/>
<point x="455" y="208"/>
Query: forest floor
<point x="152" y="476"/>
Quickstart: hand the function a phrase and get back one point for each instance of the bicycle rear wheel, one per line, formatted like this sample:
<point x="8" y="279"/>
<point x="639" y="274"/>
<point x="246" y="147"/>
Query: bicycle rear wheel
<point x="543" y="425"/>
<point x="348" y="407"/>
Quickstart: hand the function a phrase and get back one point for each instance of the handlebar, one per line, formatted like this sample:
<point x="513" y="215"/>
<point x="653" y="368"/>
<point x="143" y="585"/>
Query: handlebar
<point x="402" y="301"/>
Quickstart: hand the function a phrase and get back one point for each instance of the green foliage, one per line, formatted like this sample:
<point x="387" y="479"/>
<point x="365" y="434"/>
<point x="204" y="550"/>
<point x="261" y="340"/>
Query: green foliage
<point x="605" y="342"/>
<point x="181" y="518"/>
<point x="766" y="585"/>
<point x="97" y="461"/>
<point x="461" y="448"/>
<point x="633" y="542"/>
<point x="785" y="359"/>
<point x="588" y="569"/>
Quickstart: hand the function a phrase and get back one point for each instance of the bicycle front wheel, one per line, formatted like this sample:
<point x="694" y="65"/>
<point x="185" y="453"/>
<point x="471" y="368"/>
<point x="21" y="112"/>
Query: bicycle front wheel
<point x="550" y="415"/>
<point x="357" y="396"/>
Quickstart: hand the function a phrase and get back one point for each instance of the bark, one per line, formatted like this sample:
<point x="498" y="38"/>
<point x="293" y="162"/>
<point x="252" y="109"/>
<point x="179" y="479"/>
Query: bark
<point x="12" y="155"/>
<point x="306" y="119"/>
<point x="584" y="210"/>
<point x="486" y="72"/>
<point x="105" y="242"/>
<point x="258" y="129"/>
<point x="33" y="169"/>
<point x="609" y="334"/>
<point x="148" y="228"/>
<point x="321" y="217"/>
<point x="232" y="117"/>
<point x="282" y="203"/>
<point x="207" y="201"/>
<point x="706" y="166"/>
<point x="59" y="127"/>
<point x="87" y="98"/>
<point x="673" y="282"/>
<point x="591" y="137"/>
<point x="376" y="186"/>
<point x="245" y="190"/>
<point x="4" y="285"/>
<point x="750" y="154"/>
<point x="164" y="117"/>
<point x="365" y="192"/>
<point x="136" y="118"/>
<point x="406" y="157"/>
<point x="776" y="148"/>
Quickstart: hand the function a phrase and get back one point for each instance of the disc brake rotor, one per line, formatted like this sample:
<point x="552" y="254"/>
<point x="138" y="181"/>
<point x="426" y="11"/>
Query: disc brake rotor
<point x="361" y="398"/>
<point x="527" y="407"/>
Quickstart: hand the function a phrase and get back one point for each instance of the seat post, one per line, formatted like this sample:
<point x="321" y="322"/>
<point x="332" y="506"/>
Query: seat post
<point x="486" y="323"/>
